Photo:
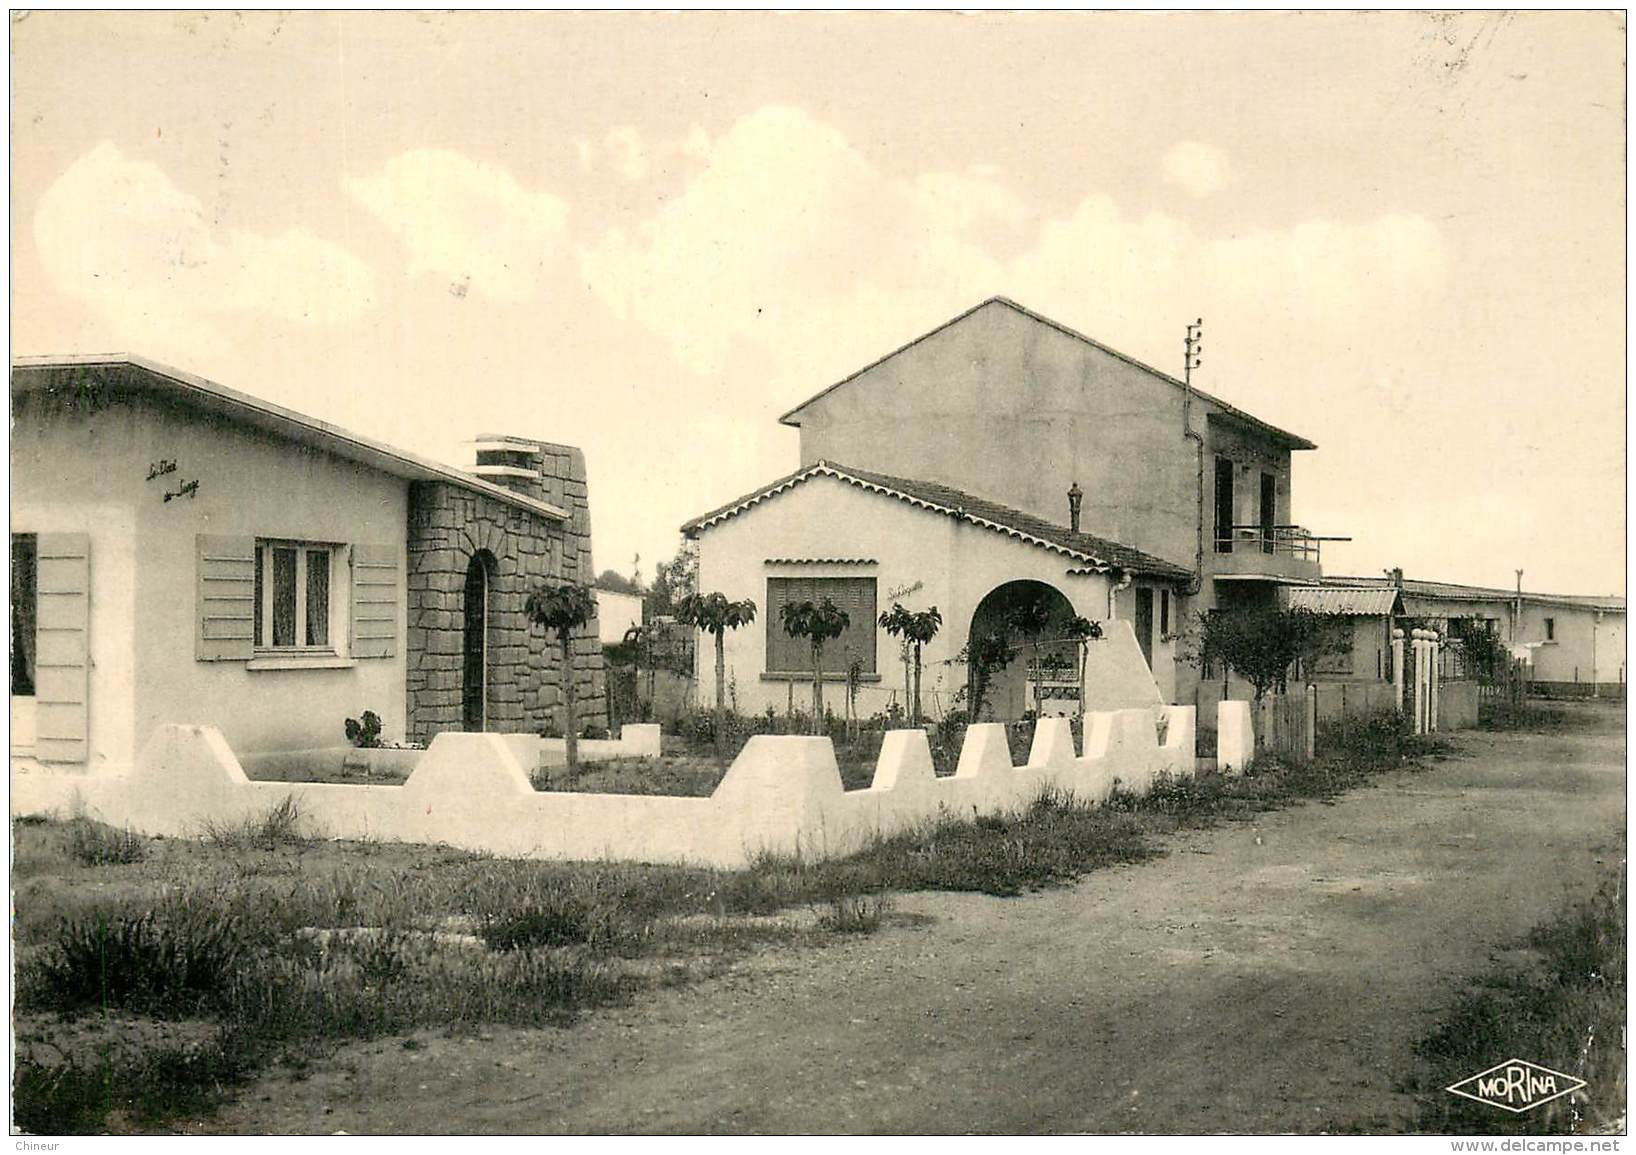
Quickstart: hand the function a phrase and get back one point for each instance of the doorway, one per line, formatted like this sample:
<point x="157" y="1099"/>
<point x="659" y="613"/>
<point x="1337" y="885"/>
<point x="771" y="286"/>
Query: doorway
<point x="474" y="667"/>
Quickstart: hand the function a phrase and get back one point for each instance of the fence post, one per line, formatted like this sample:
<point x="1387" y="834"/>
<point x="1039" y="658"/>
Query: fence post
<point x="1312" y="722"/>
<point x="1397" y="668"/>
<point x="1433" y="644"/>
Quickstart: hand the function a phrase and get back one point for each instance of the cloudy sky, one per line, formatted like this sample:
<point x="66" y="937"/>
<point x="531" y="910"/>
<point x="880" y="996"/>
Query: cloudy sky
<point x="650" y="235"/>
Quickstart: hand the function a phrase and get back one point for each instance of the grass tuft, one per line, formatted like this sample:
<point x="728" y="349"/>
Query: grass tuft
<point x="279" y="826"/>
<point x="94" y="844"/>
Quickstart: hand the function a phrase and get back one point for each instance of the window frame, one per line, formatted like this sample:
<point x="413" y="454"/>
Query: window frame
<point x="263" y="613"/>
<point x="1550" y="629"/>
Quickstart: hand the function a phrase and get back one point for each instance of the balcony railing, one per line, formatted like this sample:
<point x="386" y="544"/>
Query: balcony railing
<point x="1292" y="541"/>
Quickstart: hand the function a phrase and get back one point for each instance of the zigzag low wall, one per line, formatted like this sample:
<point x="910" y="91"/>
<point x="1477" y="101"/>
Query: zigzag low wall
<point x="781" y="795"/>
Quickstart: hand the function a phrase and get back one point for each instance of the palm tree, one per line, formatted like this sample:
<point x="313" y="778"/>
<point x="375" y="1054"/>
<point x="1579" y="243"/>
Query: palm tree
<point x="818" y="624"/>
<point x="917" y="629"/>
<point x="715" y="614"/>
<point x="564" y="607"/>
<point x="1083" y="631"/>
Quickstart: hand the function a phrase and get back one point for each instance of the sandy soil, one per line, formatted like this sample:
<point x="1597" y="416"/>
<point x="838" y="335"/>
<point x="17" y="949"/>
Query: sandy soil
<point x="1265" y="977"/>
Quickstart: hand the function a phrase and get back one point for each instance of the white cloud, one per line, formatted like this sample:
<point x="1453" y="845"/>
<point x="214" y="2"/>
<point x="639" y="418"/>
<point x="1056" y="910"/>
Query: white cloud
<point x="466" y="220"/>
<point x="787" y="233"/>
<point x="118" y="235"/>
<point x="1201" y="169"/>
<point x="789" y="259"/>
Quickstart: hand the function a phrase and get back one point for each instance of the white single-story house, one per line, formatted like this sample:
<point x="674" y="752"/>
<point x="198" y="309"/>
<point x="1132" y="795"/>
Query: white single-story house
<point x="617" y="613"/>
<point x="184" y="553"/>
<point x="922" y="544"/>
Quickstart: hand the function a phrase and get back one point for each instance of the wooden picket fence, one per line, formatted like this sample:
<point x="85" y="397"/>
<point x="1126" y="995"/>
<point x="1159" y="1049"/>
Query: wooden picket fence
<point x="1284" y="723"/>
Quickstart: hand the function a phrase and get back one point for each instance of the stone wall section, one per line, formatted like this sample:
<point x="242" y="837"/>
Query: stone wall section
<point x="447" y="526"/>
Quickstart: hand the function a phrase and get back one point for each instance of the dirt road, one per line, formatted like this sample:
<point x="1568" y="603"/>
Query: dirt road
<point x="1258" y="978"/>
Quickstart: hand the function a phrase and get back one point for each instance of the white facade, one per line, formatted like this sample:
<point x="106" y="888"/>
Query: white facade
<point x="910" y="555"/>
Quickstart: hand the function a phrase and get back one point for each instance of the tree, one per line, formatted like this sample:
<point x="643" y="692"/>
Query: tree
<point x="715" y="614"/>
<point x="1485" y="656"/>
<point x="564" y="607"/>
<point x="985" y="655"/>
<point x="917" y="629"/>
<point x="1083" y="631"/>
<point x="673" y="580"/>
<point x="818" y="624"/>
<point x="613" y="580"/>
<point x="1260" y="645"/>
<point x="1030" y="619"/>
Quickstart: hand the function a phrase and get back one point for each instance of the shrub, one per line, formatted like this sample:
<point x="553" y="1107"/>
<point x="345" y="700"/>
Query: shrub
<point x="93" y="844"/>
<point x="74" y="1098"/>
<point x="855" y="914"/>
<point x="364" y="733"/>
<point x="279" y="825"/>
<point x="172" y="960"/>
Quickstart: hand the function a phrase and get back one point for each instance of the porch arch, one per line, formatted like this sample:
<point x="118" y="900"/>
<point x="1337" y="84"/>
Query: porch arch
<point x="1006" y="695"/>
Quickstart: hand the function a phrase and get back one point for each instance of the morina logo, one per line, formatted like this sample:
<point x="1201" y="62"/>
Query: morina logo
<point x="1516" y="1086"/>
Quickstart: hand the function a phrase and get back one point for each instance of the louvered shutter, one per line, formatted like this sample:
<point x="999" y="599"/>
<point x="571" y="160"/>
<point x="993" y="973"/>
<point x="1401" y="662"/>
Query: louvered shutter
<point x="227" y="598"/>
<point x="62" y="657"/>
<point x="856" y="596"/>
<point x="374" y="601"/>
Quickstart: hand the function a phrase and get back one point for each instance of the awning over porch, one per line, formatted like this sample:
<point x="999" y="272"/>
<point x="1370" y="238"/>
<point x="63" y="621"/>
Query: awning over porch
<point x="1352" y="602"/>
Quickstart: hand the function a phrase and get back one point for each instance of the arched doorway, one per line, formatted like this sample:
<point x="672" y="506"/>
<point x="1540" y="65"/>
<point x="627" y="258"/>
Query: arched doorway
<point x="475" y="645"/>
<point x="1017" y="635"/>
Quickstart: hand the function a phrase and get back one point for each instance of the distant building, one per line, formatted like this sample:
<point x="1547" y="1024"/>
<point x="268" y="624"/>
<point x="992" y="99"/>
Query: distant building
<point x="1574" y="644"/>
<point x="617" y="612"/>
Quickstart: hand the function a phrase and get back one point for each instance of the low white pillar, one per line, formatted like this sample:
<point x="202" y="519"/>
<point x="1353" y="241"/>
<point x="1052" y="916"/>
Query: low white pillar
<point x="1312" y="723"/>
<point x="1235" y="737"/>
<point x="640" y="739"/>
<point x="1397" y="668"/>
<point x="1433" y="648"/>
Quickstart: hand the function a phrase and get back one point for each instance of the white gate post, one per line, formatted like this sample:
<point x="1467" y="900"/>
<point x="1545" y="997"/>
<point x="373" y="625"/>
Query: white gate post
<point x="1433" y="645"/>
<point x="1312" y="722"/>
<point x="1397" y="668"/>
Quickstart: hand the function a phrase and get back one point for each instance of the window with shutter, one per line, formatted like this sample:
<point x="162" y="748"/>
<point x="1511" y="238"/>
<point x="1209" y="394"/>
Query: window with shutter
<point x="374" y="601"/>
<point x="855" y="596"/>
<point x="62" y="637"/>
<point x="227" y="598"/>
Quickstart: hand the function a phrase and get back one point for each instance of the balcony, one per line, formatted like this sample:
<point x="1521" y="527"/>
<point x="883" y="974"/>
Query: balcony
<point x="1281" y="553"/>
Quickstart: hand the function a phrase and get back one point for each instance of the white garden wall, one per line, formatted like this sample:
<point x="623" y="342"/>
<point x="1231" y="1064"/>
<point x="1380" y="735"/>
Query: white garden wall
<point x="782" y="794"/>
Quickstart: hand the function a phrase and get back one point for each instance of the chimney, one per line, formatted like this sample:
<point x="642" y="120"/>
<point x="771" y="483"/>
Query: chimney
<point x="1075" y="496"/>
<point x="513" y="462"/>
<point x="1397" y="576"/>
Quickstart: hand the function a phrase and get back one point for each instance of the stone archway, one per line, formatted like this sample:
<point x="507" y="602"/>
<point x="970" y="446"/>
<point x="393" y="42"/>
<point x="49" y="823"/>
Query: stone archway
<point x="1040" y="650"/>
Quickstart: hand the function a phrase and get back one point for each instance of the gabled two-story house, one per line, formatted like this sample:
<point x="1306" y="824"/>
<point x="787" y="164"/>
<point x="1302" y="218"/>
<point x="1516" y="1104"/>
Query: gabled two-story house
<point x="1003" y="459"/>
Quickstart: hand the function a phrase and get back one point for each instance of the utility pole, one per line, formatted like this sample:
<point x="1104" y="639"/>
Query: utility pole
<point x="1516" y="610"/>
<point x="1192" y="347"/>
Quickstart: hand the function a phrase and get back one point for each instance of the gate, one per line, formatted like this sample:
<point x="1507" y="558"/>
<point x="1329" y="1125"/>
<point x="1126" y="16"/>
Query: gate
<point x="1284" y="723"/>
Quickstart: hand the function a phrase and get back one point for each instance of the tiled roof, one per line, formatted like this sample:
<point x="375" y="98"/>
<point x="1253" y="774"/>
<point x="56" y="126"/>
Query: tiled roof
<point x="1374" y="602"/>
<point x="1449" y="591"/>
<point x="1084" y="547"/>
